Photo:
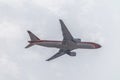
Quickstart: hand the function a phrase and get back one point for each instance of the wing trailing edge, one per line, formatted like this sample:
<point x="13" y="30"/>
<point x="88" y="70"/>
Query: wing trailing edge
<point x="66" y="33"/>
<point x="60" y="53"/>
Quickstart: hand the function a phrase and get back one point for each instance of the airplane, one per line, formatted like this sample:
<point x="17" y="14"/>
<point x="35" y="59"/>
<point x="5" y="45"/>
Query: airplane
<point x="65" y="46"/>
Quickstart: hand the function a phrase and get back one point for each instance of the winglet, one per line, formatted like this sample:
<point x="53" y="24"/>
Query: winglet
<point x="60" y="20"/>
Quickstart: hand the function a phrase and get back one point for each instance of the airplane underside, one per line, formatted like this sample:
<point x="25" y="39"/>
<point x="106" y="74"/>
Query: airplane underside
<point x="70" y="46"/>
<point x="57" y="45"/>
<point x="65" y="46"/>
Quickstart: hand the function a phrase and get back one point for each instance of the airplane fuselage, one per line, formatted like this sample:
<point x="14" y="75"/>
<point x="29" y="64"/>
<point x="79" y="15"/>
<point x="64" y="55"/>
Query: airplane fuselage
<point x="65" y="46"/>
<point x="70" y="46"/>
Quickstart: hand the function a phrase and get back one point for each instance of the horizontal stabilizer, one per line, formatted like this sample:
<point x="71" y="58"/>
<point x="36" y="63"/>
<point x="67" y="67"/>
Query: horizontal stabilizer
<point x="29" y="45"/>
<point x="33" y="38"/>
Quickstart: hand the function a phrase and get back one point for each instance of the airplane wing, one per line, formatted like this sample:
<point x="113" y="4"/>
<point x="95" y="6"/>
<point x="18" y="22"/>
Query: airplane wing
<point x="66" y="34"/>
<point x="60" y="53"/>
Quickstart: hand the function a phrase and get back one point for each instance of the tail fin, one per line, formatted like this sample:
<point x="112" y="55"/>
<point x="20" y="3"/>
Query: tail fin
<point x="33" y="38"/>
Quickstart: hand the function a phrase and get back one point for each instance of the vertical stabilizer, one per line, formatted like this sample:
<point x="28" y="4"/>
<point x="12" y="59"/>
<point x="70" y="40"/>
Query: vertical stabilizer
<point x="33" y="38"/>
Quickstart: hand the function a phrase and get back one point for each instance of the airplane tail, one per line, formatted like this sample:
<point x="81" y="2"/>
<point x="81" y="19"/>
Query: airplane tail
<point x="33" y="38"/>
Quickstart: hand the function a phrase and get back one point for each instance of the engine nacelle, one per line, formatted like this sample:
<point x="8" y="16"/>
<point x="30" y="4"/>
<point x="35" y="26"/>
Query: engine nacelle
<point x="72" y="53"/>
<point x="77" y="40"/>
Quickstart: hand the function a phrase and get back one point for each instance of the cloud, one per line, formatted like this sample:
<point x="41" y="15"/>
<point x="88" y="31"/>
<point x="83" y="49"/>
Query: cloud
<point x="96" y="21"/>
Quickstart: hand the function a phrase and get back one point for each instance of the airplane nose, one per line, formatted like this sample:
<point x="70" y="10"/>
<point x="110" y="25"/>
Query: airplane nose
<point x="97" y="46"/>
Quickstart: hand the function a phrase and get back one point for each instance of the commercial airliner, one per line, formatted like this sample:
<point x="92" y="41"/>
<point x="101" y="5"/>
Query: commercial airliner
<point x="65" y="46"/>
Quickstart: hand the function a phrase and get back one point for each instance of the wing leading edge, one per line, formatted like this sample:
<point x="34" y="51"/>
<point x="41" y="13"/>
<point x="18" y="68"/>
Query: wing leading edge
<point x="66" y="34"/>
<point x="66" y="37"/>
<point x="60" y="53"/>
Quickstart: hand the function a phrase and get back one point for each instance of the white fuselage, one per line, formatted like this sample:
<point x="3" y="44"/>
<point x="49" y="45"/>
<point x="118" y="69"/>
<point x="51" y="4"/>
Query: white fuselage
<point x="70" y="46"/>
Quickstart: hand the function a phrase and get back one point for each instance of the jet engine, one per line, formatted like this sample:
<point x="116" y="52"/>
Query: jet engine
<point x="72" y="53"/>
<point x="77" y="40"/>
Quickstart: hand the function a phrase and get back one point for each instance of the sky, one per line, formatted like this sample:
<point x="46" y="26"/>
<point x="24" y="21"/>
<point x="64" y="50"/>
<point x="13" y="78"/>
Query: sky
<point x="91" y="20"/>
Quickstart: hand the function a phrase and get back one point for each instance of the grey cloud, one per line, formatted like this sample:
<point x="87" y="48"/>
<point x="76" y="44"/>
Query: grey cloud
<point x="96" y="21"/>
